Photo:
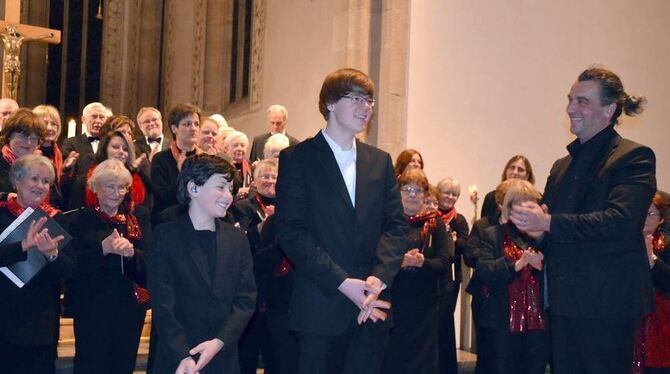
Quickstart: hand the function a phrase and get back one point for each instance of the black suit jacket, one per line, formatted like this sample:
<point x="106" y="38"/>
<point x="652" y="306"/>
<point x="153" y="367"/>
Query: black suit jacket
<point x="164" y="174"/>
<point x="258" y="145"/>
<point x="81" y="145"/>
<point x="189" y="307"/>
<point x="596" y="260"/>
<point x="141" y="146"/>
<point x="327" y="238"/>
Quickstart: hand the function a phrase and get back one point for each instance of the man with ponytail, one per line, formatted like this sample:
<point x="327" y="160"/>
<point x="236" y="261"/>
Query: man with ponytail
<point x="594" y="208"/>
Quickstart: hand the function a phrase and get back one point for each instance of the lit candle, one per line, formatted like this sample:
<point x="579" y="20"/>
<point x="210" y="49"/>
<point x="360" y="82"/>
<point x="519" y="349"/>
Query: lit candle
<point x="71" y="128"/>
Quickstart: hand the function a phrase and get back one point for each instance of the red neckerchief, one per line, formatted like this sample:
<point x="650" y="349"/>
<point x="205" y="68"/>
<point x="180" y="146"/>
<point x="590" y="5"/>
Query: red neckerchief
<point x="16" y="209"/>
<point x="133" y="230"/>
<point x="57" y="161"/>
<point x="447" y="216"/>
<point x="525" y="310"/>
<point x="8" y="154"/>
<point x="247" y="175"/>
<point x="137" y="190"/>
<point x="429" y="220"/>
<point x="263" y="206"/>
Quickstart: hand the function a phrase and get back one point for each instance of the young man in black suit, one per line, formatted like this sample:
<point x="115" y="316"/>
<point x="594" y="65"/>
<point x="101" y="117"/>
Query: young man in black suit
<point x="596" y="199"/>
<point x="340" y="221"/>
<point x="277" y="120"/>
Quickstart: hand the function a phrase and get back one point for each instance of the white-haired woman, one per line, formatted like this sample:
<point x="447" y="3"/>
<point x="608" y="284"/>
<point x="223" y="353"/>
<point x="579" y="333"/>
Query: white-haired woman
<point x="106" y="294"/>
<point x="274" y="145"/>
<point x="29" y="315"/>
<point x="237" y="145"/>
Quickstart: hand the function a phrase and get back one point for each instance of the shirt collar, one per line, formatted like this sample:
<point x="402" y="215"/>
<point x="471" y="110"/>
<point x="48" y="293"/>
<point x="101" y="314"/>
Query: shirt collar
<point x="336" y="147"/>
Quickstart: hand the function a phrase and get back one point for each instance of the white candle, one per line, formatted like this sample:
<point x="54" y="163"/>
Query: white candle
<point x="71" y="128"/>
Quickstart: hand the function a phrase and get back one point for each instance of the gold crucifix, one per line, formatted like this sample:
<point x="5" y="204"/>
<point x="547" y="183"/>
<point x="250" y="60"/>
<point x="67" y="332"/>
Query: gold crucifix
<point x="14" y="34"/>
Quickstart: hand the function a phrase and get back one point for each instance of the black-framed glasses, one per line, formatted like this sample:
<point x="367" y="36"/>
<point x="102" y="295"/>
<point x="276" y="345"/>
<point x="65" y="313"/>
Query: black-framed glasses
<point x="361" y="100"/>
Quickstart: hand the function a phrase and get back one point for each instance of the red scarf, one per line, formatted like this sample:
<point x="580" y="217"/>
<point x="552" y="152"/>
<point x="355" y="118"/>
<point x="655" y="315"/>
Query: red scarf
<point x="16" y="209"/>
<point x="247" y="175"/>
<point x="57" y="161"/>
<point x="8" y="154"/>
<point x="525" y="301"/>
<point x="133" y="229"/>
<point x="137" y="191"/>
<point x="429" y="220"/>
<point x="447" y="216"/>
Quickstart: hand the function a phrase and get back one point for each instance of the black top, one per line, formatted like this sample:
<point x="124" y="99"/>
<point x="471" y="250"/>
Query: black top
<point x="164" y="174"/>
<point x="459" y="225"/>
<point x="489" y="207"/>
<point x="207" y="246"/>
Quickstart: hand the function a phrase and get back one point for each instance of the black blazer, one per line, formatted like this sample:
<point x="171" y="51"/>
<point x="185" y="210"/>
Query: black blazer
<point x="473" y="252"/>
<point x="495" y="271"/>
<point x="29" y="315"/>
<point x="81" y="145"/>
<point x="164" y="174"/>
<point x="258" y="145"/>
<point x="188" y="306"/>
<point x="327" y="238"/>
<point x="597" y="265"/>
<point x="141" y="146"/>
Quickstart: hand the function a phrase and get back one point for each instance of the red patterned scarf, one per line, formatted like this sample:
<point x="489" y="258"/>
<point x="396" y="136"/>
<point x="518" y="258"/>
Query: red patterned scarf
<point x="137" y="191"/>
<point x="13" y="206"/>
<point x="447" y="216"/>
<point x="525" y="300"/>
<point x="8" y="154"/>
<point x="133" y="229"/>
<point x="429" y="220"/>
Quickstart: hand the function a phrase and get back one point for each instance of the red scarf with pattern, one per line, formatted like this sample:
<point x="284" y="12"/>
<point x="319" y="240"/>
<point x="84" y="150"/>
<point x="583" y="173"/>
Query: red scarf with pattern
<point x="13" y="206"/>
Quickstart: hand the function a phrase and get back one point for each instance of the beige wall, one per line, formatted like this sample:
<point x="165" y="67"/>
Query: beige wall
<point x="304" y="40"/>
<point x="488" y="79"/>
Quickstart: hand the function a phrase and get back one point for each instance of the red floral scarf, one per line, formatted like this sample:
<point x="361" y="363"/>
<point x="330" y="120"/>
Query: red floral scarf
<point x="133" y="229"/>
<point x="16" y="209"/>
<point x="137" y="190"/>
<point x="429" y="220"/>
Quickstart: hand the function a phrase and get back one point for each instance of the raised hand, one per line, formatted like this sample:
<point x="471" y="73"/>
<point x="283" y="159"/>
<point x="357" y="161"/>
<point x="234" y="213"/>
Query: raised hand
<point x="71" y="159"/>
<point x="207" y="350"/>
<point x="138" y="161"/>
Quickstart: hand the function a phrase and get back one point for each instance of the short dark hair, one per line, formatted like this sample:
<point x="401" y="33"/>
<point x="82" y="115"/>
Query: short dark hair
<point x="612" y="91"/>
<point x="26" y="122"/>
<point x="526" y="164"/>
<point x="179" y="112"/>
<point x="198" y="169"/>
<point x="342" y="82"/>
<point x="404" y="159"/>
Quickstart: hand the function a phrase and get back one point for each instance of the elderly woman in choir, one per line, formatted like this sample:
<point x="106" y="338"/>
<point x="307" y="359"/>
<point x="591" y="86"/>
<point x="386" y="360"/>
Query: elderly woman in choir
<point x="449" y="190"/>
<point x="106" y="295"/>
<point x="237" y="146"/>
<point x="21" y="135"/>
<point x="408" y="159"/>
<point x="118" y="146"/>
<point x="209" y="131"/>
<point x="29" y="316"/>
<point x="511" y="270"/>
<point x="416" y="288"/>
<point x="517" y="167"/>
<point x="274" y="145"/>
<point x="268" y="331"/>
<point x="651" y="352"/>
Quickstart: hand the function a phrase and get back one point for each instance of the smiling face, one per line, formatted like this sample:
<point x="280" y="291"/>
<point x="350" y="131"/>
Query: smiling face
<point x="412" y="196"/>
<point x="208" y="133"/>
<point x="52" y="129"/>
<point x="151" y="124"/>
<point x="110" y="195"/>
<point x="33" y="188"/>
<point x="237" y="149"/>
<point x="94" y="120"/>
<point x="212" y="198"/>
<point x="449" y="195"/>
<point x="351" y="113"/>
<point x="266" y="181"/>
<point x="588" y="116"/>
<point x="117" y="149"/>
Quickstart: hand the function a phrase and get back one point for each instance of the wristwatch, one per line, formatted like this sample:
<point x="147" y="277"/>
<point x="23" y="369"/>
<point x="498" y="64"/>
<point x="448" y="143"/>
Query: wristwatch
<point x="53" y="257"/>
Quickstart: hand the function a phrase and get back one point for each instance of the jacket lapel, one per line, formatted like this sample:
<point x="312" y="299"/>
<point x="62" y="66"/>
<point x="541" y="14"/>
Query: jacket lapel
<point x="326" y="161"/>
<point x="222" y="242"/>
<point x="195" y="251"/>
<point x="363" y="174"/>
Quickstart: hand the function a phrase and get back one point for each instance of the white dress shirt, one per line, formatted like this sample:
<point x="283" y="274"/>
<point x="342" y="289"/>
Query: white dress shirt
<point x="346" y="160"/>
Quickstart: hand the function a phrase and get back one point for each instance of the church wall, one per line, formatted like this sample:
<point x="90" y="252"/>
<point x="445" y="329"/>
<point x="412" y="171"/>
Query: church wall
<point x="304" y="40"/>
<point x="489" y="79"/>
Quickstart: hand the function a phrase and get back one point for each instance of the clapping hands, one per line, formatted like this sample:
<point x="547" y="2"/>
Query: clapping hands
<point x="117" y="244"/>
<point x="529" y="257"/>
<point x="413" y="258"/>
<point x="39" y="237"/>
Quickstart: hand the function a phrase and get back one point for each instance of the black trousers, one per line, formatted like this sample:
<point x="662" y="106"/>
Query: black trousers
<point x="447" y="330"/>
<point x="283" y="343"/>
<point x="592" y="346"/>
<point x="255" y="340"/>
<point x="358" y="350"/>
<point x="516" y="353"/>
<point x="21" y="359"/>
<point x="107" y="337"/>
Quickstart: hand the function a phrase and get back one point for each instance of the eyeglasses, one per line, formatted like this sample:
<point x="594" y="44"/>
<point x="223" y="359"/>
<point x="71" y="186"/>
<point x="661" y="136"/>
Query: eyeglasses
<point x="411" y="190"/>
<point x="652" y="213"/>
<point x="110" y="189"/>
<point x="24" y="137"/>
<point x="361" y="100"/>
<point x="268" y="177"/>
